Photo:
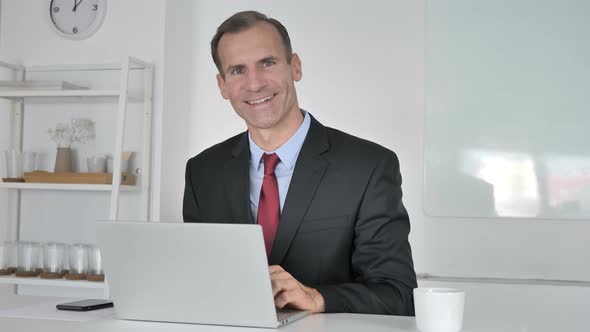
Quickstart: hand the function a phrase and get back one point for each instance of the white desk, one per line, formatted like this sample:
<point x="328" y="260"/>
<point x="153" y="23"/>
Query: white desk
<point x="325" y="322"/>
<point x="489" y="308"/>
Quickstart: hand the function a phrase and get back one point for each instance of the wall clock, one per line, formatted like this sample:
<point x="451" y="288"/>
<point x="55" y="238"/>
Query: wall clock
<point x="77" y="19"/>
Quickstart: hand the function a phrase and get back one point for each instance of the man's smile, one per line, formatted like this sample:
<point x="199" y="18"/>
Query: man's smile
<point x="261" y="100"/>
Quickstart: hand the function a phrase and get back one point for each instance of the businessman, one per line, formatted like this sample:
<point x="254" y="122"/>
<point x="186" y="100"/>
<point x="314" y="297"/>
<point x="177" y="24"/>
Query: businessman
<point x="329" y="204"/>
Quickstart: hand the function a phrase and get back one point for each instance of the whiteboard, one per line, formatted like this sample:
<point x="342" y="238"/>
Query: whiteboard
<point x="507" y="109"/>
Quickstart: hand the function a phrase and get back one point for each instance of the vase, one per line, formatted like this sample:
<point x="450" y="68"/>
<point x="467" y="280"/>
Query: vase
<point x="63" y="160"/>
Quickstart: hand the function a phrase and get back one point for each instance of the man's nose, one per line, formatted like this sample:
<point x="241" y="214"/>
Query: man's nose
<point x="255" y="80"/>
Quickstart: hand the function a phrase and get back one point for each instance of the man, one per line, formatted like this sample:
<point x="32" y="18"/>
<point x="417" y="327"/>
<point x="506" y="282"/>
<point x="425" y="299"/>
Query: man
<point x="329" y="204"/>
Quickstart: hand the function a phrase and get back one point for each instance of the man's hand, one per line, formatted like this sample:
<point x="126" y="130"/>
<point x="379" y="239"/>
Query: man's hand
<point x="288" y="291"/>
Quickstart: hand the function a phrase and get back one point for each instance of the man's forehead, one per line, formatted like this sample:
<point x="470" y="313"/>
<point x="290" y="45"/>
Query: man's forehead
<point x="256" y="29"/>
<point x="253" y="44"/>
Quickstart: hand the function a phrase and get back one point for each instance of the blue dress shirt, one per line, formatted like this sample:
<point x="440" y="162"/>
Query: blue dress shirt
<point x="288" y="154"/>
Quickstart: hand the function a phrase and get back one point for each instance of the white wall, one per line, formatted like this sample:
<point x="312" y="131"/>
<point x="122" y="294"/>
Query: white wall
<point x="179" y="93"/>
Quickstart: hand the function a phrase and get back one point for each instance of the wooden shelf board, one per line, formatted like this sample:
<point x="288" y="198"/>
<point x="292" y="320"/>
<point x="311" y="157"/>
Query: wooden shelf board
<point x="58" y="93"/>
<point x="63" y="96"/>
<point x="63" y="186"/>
<point x="36" y="281"/>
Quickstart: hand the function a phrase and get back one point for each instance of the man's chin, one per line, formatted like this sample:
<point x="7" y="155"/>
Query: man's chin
<point x="260" y="123"/>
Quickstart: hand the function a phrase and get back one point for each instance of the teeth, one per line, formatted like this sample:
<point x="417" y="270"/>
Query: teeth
<point x="254" y="102"/>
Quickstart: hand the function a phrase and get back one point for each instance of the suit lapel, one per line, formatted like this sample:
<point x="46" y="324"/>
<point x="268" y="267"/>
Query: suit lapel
<point x="308" y="173"/>
<point x="237" y="182"/>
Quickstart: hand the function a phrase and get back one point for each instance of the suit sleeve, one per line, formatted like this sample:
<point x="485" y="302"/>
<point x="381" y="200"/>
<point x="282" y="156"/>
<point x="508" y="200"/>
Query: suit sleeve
<point x="383" y="269"/>
<point x="190" y="206"/>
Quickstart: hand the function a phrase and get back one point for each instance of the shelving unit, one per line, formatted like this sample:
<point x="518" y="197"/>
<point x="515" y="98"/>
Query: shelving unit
<point x="120" y="96"/>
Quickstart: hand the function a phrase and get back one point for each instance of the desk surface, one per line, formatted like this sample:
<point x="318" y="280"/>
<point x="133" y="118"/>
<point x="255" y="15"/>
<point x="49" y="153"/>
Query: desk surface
<point x="320" y="322"/>
<point x="489" y="308"/>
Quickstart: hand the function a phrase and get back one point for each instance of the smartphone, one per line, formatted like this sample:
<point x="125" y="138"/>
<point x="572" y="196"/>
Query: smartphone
<point x="85" y="305"/>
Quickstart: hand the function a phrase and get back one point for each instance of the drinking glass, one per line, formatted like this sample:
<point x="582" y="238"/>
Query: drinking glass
<point x="53" y="257"/>
<point x="3" y="259"/>
<point x="14" y="164"/>
<point x="28" y="256"/>
<point x="78" y="257"/>
<point x="94" y="261"/>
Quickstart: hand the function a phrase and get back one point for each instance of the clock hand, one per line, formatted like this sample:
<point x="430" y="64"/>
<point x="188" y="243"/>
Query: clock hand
<point x="76" y="4"/>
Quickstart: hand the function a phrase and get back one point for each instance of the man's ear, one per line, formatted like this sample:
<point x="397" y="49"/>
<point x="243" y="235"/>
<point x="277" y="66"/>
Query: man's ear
<point x="221" y="85"/>
<point x="296" y="67"/>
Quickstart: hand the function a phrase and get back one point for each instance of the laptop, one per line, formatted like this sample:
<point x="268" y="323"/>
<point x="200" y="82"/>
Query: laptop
<point x="190" y="273"/>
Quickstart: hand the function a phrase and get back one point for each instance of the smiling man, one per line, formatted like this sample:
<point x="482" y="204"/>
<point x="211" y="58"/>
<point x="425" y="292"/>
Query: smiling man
<point x="334" y="226"/>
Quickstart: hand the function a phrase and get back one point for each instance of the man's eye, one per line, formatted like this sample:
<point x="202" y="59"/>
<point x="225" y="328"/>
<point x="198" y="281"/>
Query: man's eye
<point x="237" y="71"/>
<point x="268" y="63"/>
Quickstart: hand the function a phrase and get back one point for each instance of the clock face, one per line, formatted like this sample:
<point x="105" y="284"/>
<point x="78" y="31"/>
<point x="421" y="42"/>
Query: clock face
<point x="77" y="19"/>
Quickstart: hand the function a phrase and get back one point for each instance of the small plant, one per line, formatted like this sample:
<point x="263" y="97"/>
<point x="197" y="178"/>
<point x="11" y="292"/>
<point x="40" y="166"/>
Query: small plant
<point x="79" y="130"/>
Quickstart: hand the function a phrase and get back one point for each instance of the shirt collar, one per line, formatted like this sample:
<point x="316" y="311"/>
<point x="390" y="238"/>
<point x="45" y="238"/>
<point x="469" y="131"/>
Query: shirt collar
<point x="288" y="152"/>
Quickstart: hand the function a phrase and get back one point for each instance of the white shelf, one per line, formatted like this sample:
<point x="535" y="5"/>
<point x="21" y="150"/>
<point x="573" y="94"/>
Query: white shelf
<point x="58" y="93"/>
<point x="60" y="96"/>
<point x="64" y="186"/>
<point x="36" y="281"/>
<point x="86" y="67"/>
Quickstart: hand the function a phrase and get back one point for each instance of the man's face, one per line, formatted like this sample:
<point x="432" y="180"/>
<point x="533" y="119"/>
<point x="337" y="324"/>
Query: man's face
<point x="257" y="79"/>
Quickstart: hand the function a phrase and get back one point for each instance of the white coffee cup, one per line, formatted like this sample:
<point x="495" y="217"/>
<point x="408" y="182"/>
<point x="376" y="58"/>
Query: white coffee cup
<point x="124" y="165"/>
<point x="439" y="309"/>
<point x="96" y="164"/>
<point x="29" y="161"/>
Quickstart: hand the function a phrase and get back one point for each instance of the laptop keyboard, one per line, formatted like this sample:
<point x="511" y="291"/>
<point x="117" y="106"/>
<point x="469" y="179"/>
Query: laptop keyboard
<point x="284" y="313"/>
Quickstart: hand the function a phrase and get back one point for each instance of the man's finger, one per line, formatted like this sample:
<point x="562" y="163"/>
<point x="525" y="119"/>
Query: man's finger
<point x="281" y="275"/>
<point x="275" y="268"/>
<point x="283" y="285"/>
<point x="289" y="297"/>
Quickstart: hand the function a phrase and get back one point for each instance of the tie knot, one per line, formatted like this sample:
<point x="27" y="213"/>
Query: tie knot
<point x="270" y="163"/>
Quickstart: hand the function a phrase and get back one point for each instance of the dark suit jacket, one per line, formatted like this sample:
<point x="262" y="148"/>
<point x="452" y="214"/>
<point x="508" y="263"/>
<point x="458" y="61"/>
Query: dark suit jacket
<point x="343" y="228"/>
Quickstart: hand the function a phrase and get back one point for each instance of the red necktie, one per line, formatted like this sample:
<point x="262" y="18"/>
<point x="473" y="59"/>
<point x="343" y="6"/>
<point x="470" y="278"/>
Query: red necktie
<point x="268" y="206"/>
